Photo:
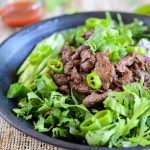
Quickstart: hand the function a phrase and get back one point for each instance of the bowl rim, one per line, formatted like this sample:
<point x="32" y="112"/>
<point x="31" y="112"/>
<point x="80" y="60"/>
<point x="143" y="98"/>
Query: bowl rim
<point x="50" y="140"/>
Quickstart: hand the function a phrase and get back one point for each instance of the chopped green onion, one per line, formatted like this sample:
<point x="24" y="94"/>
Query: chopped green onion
<point x="114" y="56"/>
<point x="35" y="58"/>
<point x="79" y="39"/>
<point x="49" y="82"/>
<point x="45" y="50"/>
<point x="91" y="23"/>
<point x="139" y="50"/>
<point x="122" y="52"/>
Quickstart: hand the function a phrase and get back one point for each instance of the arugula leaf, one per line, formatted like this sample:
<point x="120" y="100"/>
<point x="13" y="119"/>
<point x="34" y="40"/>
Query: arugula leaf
<point x="133" y="105"/>
<point x="59" y="132"/>
<point x="118" y="133"/>
<point x="139" y="140"/>
<point x="39" y="125"/>
<point x="46" y="106"/>
<point x="20" y="112"/>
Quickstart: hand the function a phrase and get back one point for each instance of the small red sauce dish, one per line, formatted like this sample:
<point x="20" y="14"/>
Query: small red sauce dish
<point x="19" y="14"/>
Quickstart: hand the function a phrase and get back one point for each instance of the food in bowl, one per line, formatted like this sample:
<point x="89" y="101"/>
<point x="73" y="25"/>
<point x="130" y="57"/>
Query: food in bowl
<point x="90" y="84"/>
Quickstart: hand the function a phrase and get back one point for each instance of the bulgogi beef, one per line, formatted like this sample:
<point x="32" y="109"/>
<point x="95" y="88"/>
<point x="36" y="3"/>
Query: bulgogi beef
<point x="94" y="98"/>
<point x="104" y="69"/>
<point x="87" y="60"/>
<point x="61" y="81"/>
<point x="78" y="64"/>
<point x="147" y="66"/>
<point x="122" y="65"/>
<point x="66" y="53"/>
<point x="87" y="34"/>
<point x="75" y="77"/>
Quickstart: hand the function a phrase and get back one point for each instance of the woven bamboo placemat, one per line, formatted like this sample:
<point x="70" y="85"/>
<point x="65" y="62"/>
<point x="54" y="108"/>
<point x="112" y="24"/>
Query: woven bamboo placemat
<point x="12" y="139"/>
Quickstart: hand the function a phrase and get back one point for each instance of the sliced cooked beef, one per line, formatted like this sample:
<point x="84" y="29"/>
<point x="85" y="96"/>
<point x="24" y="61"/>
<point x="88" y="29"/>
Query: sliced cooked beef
<point x="126" y="78"/>
<point x="137" y="74"/>
<point x="86" y="66"/>
<point x="147" y="66"/>
<point x="75" y="77"/>
<point x="66" y="54"/>
<point x="87" y="60"/>
<point x="64" y="89"/>
<point x="140" y="62"/>
<point x="68" y="67"/>
<point x="147" y="80"/>
<point x="84" y="58"/>
<point x="83" y="76"/>
<point x="94" y="98"/>
<point x="82" y="88"/>
<point x="59" y="79"/>
<point x="76" y="55"/>
<point x="117" y="89"/>
<point x="83" y="61"/>
<point x="87" y="34"/>
<point x="76" y="63"/>
<point x="104" y="69"/>
<point x="86" y="54"/>
<point x="123" y="63"/>
<point x="117" y="82"/>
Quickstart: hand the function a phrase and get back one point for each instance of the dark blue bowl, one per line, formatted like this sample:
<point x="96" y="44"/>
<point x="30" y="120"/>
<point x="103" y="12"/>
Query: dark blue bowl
<point x="16" y="48"/>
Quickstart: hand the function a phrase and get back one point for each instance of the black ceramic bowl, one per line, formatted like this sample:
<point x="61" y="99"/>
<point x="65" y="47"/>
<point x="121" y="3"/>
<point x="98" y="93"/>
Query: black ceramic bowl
<point x="16" y="48"/>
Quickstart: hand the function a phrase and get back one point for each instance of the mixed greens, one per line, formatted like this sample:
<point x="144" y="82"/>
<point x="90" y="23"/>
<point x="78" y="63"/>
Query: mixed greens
<point x="125" y="118"/>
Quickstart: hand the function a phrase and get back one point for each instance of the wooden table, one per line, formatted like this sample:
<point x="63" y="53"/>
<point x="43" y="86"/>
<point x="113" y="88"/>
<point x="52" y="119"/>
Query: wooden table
<point x="12" y="139"/>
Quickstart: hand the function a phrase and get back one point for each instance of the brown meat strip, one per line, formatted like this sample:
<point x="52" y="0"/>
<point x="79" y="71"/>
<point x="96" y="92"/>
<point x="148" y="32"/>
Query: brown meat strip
<point x="66" y="54"/>
<point x="140" y="61"/>
<point x="125" y="79"/>
<point x="82" y="88"/>
<point x="94" y="98"/>
<point x="122" y="64"/>
<point x="147" y="66"/>
<point x="76" y="55"/>
<point x="104" y="69"/>
<point x="68" y="67"/>
<point x="59" y="79"/>
<point x="64" y="89"/>
<point x="87" y="34"/>
<point x="75" y="77"/>
<point x="87" y="60"/>
<point x="147" y="80"/>
<point x="86" y="66"/>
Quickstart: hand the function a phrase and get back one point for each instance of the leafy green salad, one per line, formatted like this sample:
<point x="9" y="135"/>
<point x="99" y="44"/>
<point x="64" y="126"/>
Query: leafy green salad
<point x="82" y="85"/>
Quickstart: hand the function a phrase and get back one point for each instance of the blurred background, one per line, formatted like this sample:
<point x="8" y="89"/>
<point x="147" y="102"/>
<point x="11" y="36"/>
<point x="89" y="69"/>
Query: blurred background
<point x="14" y="15"/>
